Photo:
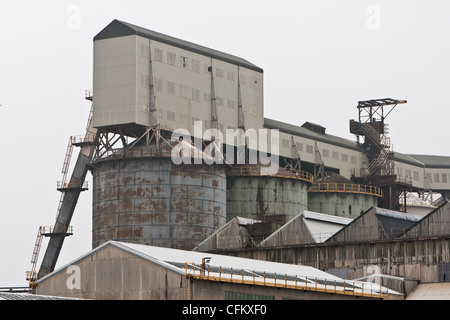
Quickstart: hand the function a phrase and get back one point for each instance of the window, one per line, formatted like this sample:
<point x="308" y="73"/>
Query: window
<point x="231" y="76"/>
<point x="195" y="65"/>
<point x="171" y="58"/>
<point x="285" y="143"/>
<point x="309" y="148"/>
<point x="158" y="55"/>
<point x="408" y="173"/>
<point x="335" y="155"/>
<point x="231" y="104"/>
<point x="144" y="51"/>
<point x="184" y="91"/>
<point x="170" y="115"/>
<point x="170" y="88"/>
<point x="344" y="157"/>
<point x="219" y="73"/>
<point x="245" y="296"/>
<point x="436" y="178"/>
<point x="158" y="84"/>
<point x="195" y="94"/>
<point x="183" y="62"/>
<point x="353" y="159"/>
<point x="326" y="153"/>
<point x="144" y="80"/>
<point x="444" y="178"/>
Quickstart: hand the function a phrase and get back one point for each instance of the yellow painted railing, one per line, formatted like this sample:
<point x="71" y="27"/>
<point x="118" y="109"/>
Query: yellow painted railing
<point x="243" y="170"/>
<point x="353" y="288"/>
<point x="347" y="188"/>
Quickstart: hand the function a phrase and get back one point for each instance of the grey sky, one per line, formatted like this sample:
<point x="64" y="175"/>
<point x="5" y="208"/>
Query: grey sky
<point x="319" y="59"/>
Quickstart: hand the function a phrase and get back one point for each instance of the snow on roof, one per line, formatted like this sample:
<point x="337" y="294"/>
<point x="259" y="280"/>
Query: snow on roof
<point x="167" y="256"/>
<point x="414" y="200"/>
<point x="397" y="214"/>
<point x="326" y="217"/>
<point x="321" y="226"/>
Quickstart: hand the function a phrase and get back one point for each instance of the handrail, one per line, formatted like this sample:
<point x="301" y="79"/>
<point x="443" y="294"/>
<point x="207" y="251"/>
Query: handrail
<point x="68" y="185"/>
<point x="346" y="188"/>
<point x="344" y="287"/>
<point x="248" y="170"/>
<point x="46" y="230"/>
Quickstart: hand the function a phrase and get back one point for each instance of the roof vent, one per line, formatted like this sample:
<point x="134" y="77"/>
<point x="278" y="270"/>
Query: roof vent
<point x="314" y="127"/>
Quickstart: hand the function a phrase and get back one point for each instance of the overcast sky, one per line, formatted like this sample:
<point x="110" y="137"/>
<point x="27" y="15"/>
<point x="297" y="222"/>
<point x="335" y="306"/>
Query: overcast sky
<point x="319" y="59"/>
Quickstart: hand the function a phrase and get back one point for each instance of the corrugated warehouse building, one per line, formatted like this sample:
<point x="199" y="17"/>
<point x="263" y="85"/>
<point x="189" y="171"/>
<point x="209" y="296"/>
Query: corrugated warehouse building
<point x="117" y="270"/>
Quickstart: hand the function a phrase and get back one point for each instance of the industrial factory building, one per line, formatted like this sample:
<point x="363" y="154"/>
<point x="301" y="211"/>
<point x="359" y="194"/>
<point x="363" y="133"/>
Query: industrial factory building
<point x="182" y="158"/>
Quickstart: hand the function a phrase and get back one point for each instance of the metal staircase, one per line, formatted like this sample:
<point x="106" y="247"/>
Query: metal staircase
<point x="383" y="143"/>
<point x="70" y="192"/>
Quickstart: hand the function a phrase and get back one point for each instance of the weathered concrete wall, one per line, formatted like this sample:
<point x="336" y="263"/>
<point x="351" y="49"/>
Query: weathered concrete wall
<point x="348" y="205"/>
<point x="152" y="201"/>
<point x="113" y="274"/>
<point x="258" y="196"/>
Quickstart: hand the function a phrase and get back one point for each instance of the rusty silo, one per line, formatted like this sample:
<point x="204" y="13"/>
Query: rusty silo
<point x="338" y="196"/>
<point x="141" y="196"/>
<point x="272" y="198"/>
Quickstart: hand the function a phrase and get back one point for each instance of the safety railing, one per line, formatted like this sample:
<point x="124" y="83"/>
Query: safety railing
<point x="49" y="230"/>
<point x="247" y="170"/>
<point x="346" y="188"/>
<point x="241" y="276"/>
<point x="61" y="185"/>
<point x="88" y="138"/>
<point x="136" y="153"/>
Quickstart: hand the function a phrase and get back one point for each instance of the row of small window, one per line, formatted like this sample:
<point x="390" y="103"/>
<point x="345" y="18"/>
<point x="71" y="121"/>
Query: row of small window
<point x="437" y="178"/>
<point x="170" y="115"/>
<point x="432" y="177"/>
<point x="325" y="152"/>
<point x="185" y="92"/>
<point x="193" y="65"/>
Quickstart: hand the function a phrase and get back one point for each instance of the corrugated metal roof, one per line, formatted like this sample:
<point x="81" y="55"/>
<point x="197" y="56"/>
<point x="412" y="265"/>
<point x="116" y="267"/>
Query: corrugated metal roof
<point x="429" y="161"/>
<point x="174" y="260"/>
<point x="431" y="291"/>
<point x="119" y="28"/>
<point x="23" y="296"/>
<point x="306" y="133"/>
<point x="395" y="223"/>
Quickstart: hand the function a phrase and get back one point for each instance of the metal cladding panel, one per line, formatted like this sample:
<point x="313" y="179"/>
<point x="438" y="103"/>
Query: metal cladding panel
<point x="115" y="81"/>
<point x="151" y="201"/>
<point x="179" y="79"/>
